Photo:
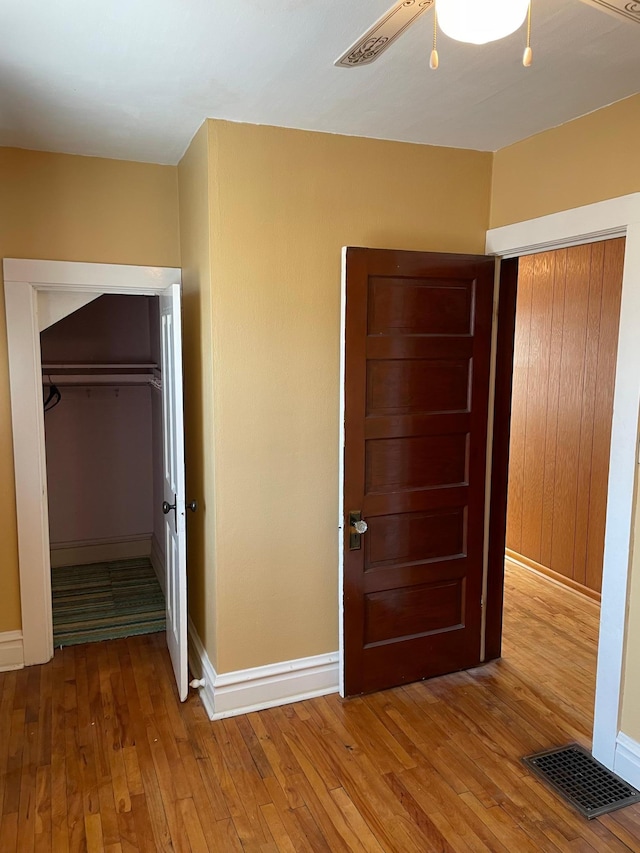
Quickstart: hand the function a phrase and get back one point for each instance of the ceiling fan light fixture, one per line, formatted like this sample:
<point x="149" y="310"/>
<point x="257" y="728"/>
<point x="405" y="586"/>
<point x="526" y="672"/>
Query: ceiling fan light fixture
<point x="480" y="22"/>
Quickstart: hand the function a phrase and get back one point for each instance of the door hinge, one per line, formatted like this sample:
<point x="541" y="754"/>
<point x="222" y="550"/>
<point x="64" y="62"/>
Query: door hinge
<point x="482" y="602"/>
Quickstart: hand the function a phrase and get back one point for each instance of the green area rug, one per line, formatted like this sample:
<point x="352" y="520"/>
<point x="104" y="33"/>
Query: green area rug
<point x="102" y="601"/>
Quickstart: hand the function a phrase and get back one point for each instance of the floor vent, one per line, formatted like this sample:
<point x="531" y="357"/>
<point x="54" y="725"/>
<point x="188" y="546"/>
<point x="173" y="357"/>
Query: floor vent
<point x="581" y="780"/>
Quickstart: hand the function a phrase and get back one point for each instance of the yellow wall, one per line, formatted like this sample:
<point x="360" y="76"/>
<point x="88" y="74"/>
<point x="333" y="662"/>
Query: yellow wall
<point x="630" y="720"/>
<point x="62" y="207"/>
<point x="195" y="243"/>
<point x="284" y="202"/>
<point x="587" y="160"/>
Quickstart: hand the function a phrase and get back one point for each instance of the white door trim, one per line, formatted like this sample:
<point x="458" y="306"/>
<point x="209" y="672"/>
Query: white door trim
<point x="22" y="281"/>
<point x="612" y="218"/>
<point x="341" y="444"/>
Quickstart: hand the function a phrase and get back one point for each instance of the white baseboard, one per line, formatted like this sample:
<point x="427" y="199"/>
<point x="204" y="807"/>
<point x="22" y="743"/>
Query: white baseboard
<point x="231" y="693"/>
<point x="103" y="551"/>
<point x="626" y="762"/>
<point x="11" y="650"/>
<point x="158" y="563"/>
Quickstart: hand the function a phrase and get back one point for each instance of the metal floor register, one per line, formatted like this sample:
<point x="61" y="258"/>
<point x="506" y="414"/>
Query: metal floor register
<point x="581" y="780"/>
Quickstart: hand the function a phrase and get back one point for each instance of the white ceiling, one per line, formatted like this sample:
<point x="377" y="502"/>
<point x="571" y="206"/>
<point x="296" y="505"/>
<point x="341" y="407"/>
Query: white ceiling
<point x="134" y="79"/>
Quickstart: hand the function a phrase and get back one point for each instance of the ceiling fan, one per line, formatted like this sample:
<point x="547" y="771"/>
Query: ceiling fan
<point x="404" y="13"/>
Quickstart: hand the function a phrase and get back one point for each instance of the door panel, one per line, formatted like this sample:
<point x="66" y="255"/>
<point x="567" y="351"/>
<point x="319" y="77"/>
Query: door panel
<point x="413" y="611"/>
<point x="415" y="462"/>
<point x="174" y="485"/>
<point x="419" y="386"/>
<point x="401" y="307"/>
<point x="418" y="339"/>
<point x="403" y="539"/>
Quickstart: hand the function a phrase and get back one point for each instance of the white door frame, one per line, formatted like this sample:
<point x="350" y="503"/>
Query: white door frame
<point x="22" y="281"/>
<point x="618" y="217"/>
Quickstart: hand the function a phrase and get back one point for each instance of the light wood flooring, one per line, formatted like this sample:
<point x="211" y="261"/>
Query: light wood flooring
<point x="97" y="754"/>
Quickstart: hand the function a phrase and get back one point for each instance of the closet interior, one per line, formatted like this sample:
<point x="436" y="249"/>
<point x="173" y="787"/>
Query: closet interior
<point x="103" y="435"/>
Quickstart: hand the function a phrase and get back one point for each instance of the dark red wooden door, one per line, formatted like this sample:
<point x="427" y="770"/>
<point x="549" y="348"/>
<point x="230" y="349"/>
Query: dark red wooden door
<point x="418" y="342"/>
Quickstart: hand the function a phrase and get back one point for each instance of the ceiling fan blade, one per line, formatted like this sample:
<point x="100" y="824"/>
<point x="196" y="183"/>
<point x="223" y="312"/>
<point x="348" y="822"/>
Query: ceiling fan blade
<point x="383" y="33"/>
<point x="619" y="8"/>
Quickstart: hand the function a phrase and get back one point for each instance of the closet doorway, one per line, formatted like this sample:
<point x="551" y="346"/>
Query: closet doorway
<point x="103" y="435"/>
<point x="35" y="290"/>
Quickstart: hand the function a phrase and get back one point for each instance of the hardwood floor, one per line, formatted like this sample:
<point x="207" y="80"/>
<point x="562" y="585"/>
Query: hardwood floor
<point x="97" y="754"/>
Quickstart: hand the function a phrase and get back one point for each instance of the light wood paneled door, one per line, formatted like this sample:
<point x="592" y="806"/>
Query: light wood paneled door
<point x="567" y="319"/>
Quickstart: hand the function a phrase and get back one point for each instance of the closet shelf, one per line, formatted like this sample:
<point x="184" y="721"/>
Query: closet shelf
<point x="100" y="374"/>
<point x="138" y="365"/>
<point x="87" y="379"/>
